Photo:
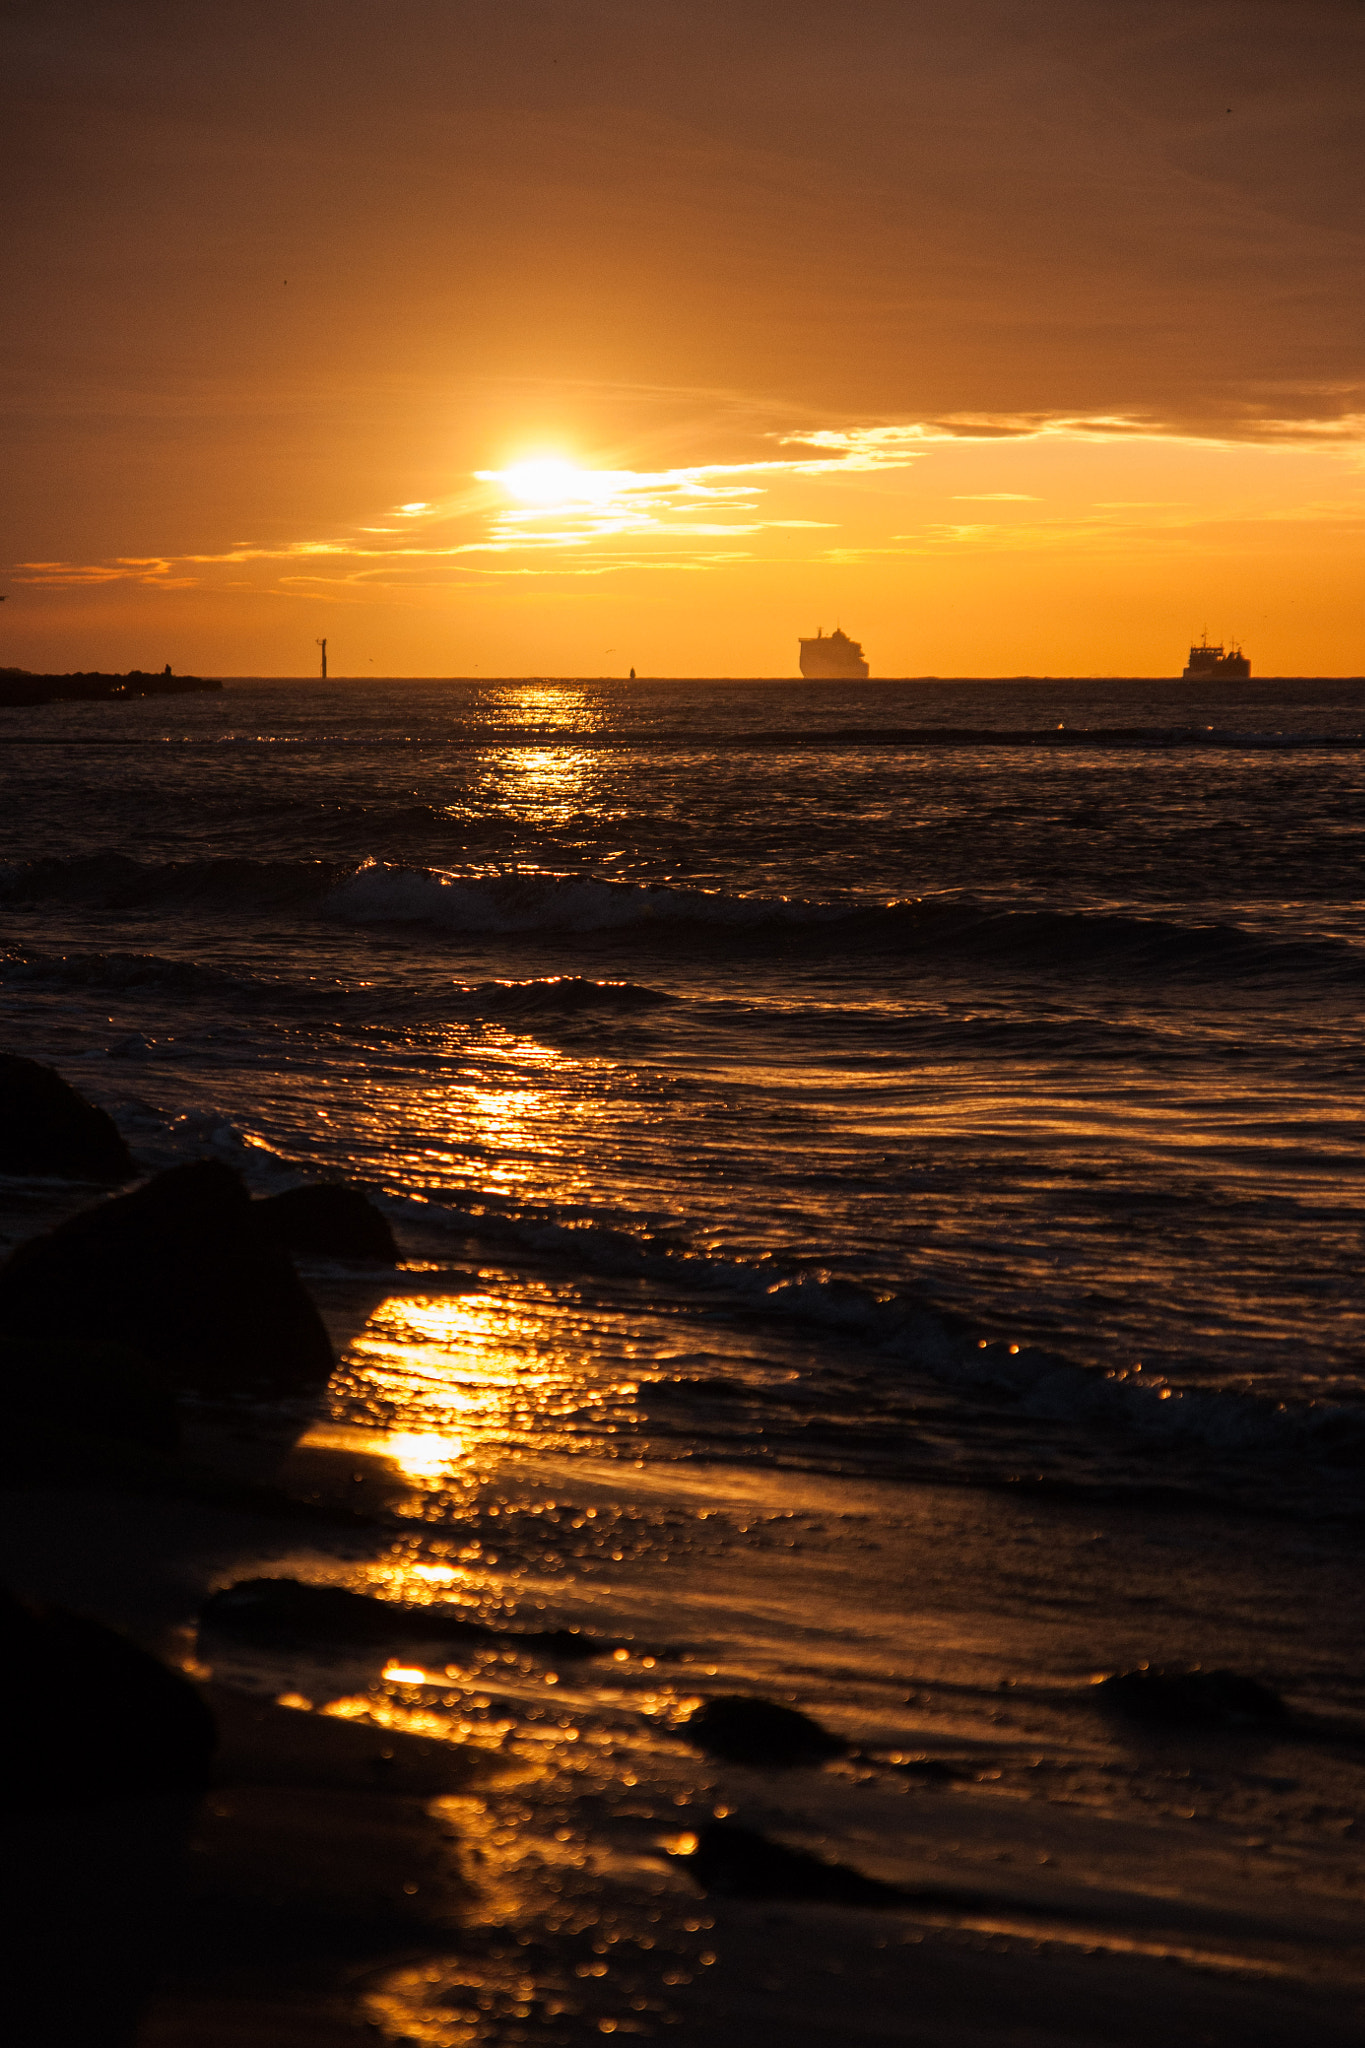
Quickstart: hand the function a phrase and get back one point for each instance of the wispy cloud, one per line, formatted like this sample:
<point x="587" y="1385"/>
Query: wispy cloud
<point x="544" y="517"/>
<point x="882" y="446"/>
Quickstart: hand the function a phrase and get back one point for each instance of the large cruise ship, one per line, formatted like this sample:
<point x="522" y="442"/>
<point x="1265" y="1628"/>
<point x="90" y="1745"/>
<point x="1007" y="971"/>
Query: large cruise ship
<point x="1212" y="664"/>
<point x="833" y="658"/>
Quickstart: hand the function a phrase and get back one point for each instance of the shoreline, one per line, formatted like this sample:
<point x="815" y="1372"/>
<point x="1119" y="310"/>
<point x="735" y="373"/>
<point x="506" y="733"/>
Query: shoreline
<point x="385" y="1848"/>
<point x="303" y="1917"/>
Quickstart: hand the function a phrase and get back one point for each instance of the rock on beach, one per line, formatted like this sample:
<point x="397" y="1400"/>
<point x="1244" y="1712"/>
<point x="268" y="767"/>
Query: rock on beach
<point x="184" y="1272"/>
<point x="740" y="1730"/>
<point x="57" y="1391"/>
<point x="47" y="1128"/>
<point x="289" y="1614"/>
<point x="1164" y="1697"/>
<point x="737" y="1862"/>
<point x="104" y="1756"/>
<point x="328" y="1221"/>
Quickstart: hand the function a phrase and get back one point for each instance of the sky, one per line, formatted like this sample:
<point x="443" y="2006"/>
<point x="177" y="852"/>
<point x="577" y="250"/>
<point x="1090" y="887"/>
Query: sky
<point x="494" y="338"/>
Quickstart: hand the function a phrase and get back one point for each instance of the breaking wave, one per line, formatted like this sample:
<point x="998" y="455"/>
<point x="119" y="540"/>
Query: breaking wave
<point x="944" y="930"/>
<point x="561" y="994"/>
<point x="1229" y="1432"/>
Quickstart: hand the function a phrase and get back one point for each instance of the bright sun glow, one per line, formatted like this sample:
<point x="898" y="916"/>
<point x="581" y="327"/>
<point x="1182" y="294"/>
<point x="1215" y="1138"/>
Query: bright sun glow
<point x="551" y="481"/>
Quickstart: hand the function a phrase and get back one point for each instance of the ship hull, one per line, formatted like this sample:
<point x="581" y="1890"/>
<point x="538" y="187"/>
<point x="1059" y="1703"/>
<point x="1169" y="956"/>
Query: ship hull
<point x="1232" y="668"/>
<point x="827" y="669"/>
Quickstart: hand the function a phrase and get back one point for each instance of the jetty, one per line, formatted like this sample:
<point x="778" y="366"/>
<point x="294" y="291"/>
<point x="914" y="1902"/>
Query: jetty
<point x="18" y="687"/>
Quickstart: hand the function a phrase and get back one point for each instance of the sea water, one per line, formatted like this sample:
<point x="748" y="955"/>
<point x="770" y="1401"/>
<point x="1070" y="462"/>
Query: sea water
<point x="879" y="1168"/>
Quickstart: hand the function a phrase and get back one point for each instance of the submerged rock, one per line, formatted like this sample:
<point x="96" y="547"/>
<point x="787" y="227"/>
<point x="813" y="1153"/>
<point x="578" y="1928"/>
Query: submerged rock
<point x="47" y="1128"/>
<point x="328" y="1221"/>
<point x="736" y="1862"/>
<point x="739" y="1730"/>
<point x="290" y="1614"/>
<point x="183" y="1271"/>
<point x="1192" y="1698"/>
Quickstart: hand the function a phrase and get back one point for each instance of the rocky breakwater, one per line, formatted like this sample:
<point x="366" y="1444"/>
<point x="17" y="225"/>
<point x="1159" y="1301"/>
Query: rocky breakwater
<point x="19" y="687"/>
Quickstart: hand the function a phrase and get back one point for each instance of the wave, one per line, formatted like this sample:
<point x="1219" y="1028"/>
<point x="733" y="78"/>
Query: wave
<point x="561" y="994"/>
<point x="945" y="931"/>
<point x="509" y="903"/>
<point x="1308" y="1452"/>
<point x="1233" y="1422"/>
<point x="126" y="971"/>
<point x="1242" y="1432"/>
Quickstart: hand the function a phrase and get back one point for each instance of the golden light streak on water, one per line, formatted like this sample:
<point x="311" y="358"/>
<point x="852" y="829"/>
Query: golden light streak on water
<point x="549" y="783"/>
<point x="423" y="1454"/>
<point x="547" y="703"/>
<point x="447" y="1382"/>
<point x="501" y="1138"/>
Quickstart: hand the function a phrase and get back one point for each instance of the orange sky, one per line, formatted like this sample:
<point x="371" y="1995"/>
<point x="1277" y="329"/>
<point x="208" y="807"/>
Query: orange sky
<point x="1017" y="335"/>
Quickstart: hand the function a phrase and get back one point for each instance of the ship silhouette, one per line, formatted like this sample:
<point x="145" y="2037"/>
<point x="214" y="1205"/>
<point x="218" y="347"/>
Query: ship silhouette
<point x="1214" y="664"/>
<point x="833" y="658"/>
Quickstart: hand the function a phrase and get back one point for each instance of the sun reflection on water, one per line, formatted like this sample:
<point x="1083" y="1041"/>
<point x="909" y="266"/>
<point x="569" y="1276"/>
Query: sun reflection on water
<point x="547" y="703"/>
<point x="423" y="1454"/>
<point x="478" y="1133"/>
<point x="441" y="1384"/>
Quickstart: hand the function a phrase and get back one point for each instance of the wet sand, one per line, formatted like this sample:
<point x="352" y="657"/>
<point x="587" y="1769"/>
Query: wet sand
<point x="495" y="1849"/>
<point x="485" y="1881"/>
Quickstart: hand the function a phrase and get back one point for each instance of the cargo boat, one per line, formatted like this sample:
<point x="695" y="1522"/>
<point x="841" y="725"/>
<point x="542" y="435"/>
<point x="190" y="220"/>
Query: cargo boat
<point x="1213" y="664"/>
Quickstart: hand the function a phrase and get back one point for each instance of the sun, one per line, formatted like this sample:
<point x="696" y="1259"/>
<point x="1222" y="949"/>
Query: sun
<point x="550" y="480"/>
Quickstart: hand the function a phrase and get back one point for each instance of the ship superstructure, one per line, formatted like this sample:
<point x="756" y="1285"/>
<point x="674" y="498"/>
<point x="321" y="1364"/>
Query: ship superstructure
<point x="1215" y="664"/>
<point x="833" y="658"/>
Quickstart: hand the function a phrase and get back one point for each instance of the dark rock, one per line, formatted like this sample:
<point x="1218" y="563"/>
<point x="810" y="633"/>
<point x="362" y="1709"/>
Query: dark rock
<point x="104" y="1754"/>
<point x="736" y="1862"/>
<point x="47" y="1128"/>
<point x="51" y="1392"/>
<point x="1193" y="1698"/>
<point x="328" y="1221"/>
<point x="749" y="1731"/>
<point x="287" y="1614"/>
<point x="87" y="1717"/>
<point x="182" y="1271"/>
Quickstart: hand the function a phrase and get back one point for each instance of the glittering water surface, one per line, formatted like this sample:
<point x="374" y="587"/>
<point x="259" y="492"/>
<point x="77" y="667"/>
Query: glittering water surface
<point x="783" y="1094"/>
<point x="740" y="986"/>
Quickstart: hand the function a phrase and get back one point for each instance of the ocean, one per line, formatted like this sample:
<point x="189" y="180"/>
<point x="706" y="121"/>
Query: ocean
<point x="879" y="1168"/>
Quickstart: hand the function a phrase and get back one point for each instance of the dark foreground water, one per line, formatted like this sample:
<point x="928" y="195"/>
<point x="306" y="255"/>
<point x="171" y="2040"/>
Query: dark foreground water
<point x="787" y="1093"/>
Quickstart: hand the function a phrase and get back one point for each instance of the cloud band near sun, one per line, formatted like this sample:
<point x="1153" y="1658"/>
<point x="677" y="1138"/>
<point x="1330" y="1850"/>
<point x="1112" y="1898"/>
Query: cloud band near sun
<point x="545" y="515"/>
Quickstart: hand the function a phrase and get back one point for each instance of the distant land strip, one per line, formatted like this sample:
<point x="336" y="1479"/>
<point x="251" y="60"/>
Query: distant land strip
<point x="19" y="688"/>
